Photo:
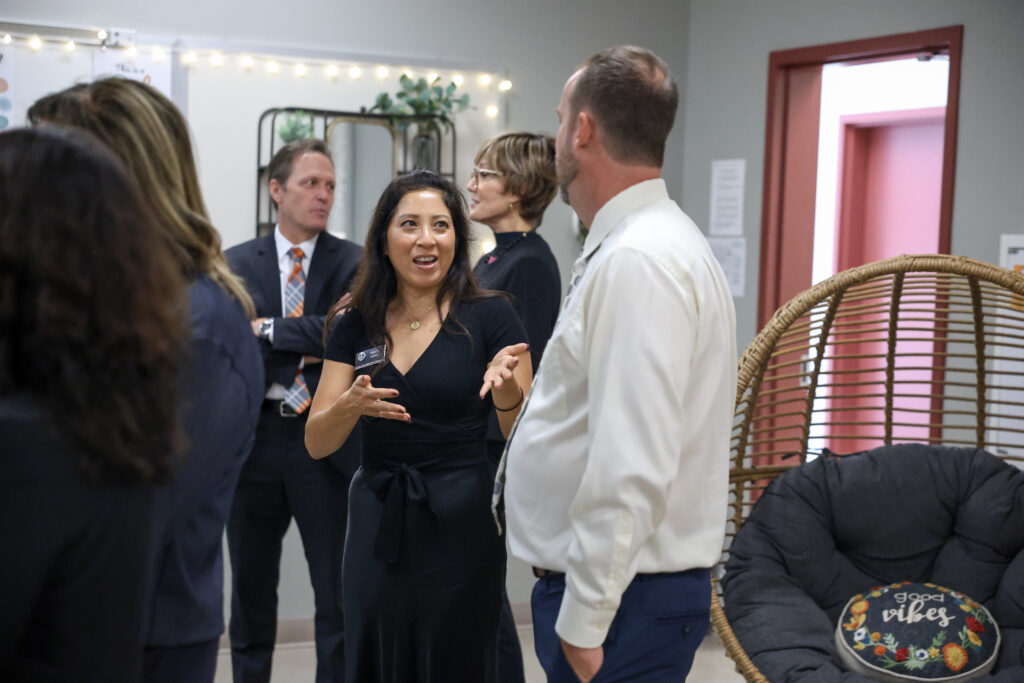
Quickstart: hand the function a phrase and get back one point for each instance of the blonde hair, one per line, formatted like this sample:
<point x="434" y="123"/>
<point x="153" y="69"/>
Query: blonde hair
<point x="526" y="162"/>
<point x="151" y="137"/>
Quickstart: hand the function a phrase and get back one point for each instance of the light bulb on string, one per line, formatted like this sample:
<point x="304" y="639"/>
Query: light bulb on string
<point x="492" y="111"/>
<point x="333" y="71"/>
<point x="458" y="80"/>
<point x="505" y="86"/>
<point x="273" y="67"/>
<point x="189" y="57"/>
<point x="300" y="70"/>
<point x="355" y="72"/>
<point x="35" y="42"/>
<point x="69" y="46"/>
<point x="382" y="72"/>
<point x="247" y="62"/>
<point x="485" y="80"/>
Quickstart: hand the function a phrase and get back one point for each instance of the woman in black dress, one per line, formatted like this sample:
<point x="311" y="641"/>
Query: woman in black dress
<point x="422" y="356"/>
<point x="513" y="182"/>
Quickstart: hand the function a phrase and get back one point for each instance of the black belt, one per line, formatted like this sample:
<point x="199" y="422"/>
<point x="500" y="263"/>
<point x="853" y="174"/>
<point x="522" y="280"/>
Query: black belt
<point x="545" y="573"/>
<point x="276" y="406"/>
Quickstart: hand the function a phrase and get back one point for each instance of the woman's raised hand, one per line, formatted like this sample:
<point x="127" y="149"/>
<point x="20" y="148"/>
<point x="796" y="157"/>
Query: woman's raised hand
<point x="499" y="370"/>
<point x="369" y="400"/>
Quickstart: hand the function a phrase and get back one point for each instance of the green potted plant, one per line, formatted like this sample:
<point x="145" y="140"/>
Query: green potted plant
<point x="295" y="125"/>
<point x="418" y="98"/>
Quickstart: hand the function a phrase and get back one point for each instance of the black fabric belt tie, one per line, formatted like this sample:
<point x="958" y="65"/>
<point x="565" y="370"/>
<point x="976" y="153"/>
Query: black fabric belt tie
<point x="404" y="485"/>
<point x="403" y="491"/>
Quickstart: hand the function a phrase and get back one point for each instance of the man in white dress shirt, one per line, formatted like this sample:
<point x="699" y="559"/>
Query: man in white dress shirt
<point x="617" y="470"/>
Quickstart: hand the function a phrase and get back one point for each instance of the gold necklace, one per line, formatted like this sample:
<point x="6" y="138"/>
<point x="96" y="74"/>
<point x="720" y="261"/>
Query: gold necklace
<point x="415" y="324"/>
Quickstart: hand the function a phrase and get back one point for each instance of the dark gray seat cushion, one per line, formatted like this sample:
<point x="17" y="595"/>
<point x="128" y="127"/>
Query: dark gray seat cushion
<point x="835" y="527"/>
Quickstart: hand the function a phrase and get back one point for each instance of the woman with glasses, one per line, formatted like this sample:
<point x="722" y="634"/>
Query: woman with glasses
<point x="513" y="182"/>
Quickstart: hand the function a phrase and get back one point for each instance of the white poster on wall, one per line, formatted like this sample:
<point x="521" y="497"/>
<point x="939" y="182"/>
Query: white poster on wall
<point x="137" y="67"/>
<point x="731" y="253"/>
<point x="6" y="86"/>
<point x="728" y="178"/>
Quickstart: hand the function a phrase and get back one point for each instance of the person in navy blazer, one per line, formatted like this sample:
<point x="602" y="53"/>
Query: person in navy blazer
<point x="221" y="387"/>
<point x="280" y="480"/>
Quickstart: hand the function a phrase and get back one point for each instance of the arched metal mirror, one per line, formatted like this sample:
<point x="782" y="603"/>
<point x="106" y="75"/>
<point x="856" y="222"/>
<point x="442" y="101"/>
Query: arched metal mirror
<point x="368" y="150"/>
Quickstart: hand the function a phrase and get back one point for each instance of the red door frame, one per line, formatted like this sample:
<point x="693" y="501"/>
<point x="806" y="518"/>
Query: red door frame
<point x="779" y="137"/>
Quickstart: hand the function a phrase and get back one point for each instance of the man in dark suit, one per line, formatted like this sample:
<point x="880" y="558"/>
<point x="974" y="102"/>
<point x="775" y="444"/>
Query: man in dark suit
<point x="294" y="276"/>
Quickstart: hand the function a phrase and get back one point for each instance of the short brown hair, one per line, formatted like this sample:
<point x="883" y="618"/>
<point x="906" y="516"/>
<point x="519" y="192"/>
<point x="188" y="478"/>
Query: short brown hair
<point x="280" y="167"/>
<point x="526" y="162"/>
<point x="632" y="97"/>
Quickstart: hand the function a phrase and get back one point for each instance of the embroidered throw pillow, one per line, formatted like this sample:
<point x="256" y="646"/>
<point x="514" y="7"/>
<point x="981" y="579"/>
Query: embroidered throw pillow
<point x="916" y="632"/>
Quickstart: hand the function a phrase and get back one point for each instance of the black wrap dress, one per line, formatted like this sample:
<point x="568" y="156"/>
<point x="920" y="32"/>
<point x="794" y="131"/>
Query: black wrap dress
<point x="423" y="566"/>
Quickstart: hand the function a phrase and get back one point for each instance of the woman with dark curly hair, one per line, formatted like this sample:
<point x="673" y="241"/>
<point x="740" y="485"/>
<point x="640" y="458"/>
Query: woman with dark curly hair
<point x="89" y="370"/>
<point x="422" y="358"/>
<point x="222" y="385"/>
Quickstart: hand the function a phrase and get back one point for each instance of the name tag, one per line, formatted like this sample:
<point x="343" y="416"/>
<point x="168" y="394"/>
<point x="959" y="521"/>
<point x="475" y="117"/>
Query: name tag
<point x="369" y="357"/>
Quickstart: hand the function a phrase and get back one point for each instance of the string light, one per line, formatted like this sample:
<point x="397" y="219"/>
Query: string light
<point x="492" y="111"/>
<point x="102" y="34"/>
<point x="217" y="59"/>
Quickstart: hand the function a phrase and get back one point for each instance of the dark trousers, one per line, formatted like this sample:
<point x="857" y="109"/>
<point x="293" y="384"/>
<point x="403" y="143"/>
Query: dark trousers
<point x="653" y="638"/>
<point x="196" y="663"/>
<point x="510" y="653"/>
<point x="280" y="481"/>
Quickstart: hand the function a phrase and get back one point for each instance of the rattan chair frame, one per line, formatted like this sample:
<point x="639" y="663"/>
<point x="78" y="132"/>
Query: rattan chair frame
<point x="970" y="313"/>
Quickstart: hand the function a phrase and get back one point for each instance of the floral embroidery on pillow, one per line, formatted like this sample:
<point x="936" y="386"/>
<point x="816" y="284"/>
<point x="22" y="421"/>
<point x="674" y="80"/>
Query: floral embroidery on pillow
<point x="917" y="631"/>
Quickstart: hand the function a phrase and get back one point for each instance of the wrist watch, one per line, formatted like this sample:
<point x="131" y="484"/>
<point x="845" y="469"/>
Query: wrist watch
<point x="266" y="329"/>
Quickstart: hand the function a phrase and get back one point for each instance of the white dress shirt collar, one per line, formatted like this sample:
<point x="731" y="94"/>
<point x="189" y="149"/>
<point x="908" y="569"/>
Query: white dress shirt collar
<point x="284" y="244"/>
<point x="618" y="207"/>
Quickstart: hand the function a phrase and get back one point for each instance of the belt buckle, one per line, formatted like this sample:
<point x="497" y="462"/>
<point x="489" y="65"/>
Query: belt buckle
<point x="285" y="411"/>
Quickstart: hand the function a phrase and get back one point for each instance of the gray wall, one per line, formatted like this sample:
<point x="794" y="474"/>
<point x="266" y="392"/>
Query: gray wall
<point x="729" y="45"/>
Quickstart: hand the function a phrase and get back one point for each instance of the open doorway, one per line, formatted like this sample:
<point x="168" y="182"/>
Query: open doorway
<point x="848" y="188"/>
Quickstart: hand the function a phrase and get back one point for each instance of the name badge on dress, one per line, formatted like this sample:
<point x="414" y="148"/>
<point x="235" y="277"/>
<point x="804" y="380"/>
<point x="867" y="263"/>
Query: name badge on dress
<point x="369" y="357"/>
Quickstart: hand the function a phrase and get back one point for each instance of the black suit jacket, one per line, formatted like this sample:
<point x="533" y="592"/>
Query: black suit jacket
<point x="330" y="275"/>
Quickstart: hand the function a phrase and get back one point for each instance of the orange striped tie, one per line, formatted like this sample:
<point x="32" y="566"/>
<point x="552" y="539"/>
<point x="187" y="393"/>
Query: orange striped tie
<point x="296" y="396"/>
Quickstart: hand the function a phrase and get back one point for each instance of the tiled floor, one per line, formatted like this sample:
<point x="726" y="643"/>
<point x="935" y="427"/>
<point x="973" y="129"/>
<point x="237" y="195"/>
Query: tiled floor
<point x="296" y="663"/>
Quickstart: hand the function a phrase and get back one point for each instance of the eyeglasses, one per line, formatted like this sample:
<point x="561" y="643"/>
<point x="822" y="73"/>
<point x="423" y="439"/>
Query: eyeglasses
<point x="481" y="174"/>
